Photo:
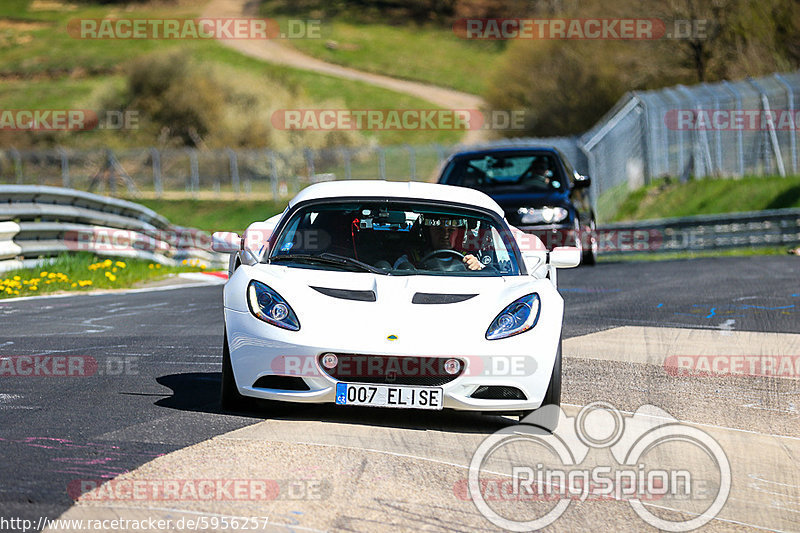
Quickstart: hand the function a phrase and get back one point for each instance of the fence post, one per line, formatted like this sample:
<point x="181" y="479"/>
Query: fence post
<point x="273" y="163"/>
<point x="310" y="164"/>
<point x="593" y="185"/>
<point x="773" y="136"/>
<point x="412" y="162"/>
<point x="440" y="152"/>
<point x="381" y="162"/>
<point x="234" y="168"/>
<point x="739" y="140"/>
<point x="194" y="178"/>
<point x="17" y="164"/>
<point x="64" y="167"/>
<point x="158" y="186"/>
<point x="347" y="168"/>
<point x="793" y="129"/>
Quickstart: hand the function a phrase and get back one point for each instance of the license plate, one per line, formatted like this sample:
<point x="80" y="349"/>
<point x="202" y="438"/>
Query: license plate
<point x="389" y="396"/>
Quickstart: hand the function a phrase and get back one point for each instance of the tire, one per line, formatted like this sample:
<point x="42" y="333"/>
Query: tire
<point x="589" y="255"/>
<point x="547" y="418"/>
<point x="230" y="399"/>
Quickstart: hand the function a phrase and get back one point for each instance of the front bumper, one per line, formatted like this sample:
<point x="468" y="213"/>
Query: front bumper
<point x="524" y="362"/>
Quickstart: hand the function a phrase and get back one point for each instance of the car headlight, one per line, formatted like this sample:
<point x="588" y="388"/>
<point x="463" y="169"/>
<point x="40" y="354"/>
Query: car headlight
<point x="531" y="215"/>
<point x="521" y="315"/>
<point x="269" y="306"/>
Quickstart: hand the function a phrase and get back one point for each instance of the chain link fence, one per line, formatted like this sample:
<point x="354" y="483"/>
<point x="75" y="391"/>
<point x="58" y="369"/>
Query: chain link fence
<point x="726" y="129"/>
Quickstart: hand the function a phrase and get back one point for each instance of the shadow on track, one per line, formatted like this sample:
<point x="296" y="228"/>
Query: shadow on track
<point x="199" y="392"/>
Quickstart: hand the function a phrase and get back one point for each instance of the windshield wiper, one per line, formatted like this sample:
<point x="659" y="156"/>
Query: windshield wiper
<point x="329" y="259"/>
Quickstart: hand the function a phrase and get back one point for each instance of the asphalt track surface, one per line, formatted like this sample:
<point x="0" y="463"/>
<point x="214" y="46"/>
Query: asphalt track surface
<point x="155" y="390"/>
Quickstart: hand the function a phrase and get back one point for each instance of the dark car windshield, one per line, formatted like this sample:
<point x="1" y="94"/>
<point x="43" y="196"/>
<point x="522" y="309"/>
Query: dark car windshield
<point x="505" y="173"/>
<point x="395" y="238"/>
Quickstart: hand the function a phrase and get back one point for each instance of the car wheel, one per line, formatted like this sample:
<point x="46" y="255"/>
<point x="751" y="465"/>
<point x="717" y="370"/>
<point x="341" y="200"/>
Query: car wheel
<point x="547" y="418"/>
<point x="589" y="255"/>
<point x="230" y="398"/>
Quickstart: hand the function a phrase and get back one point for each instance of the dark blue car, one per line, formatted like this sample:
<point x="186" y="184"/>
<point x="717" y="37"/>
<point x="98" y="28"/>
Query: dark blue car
<point x="537" y="188"/>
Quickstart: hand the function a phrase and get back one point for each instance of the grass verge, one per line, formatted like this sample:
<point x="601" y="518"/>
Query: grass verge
<point x="83" y="272"/>
<point x="214" y="215"/>
<point x="667" y="198"/>
<point x="405" y="52"/>
<point x="672" y="256"/>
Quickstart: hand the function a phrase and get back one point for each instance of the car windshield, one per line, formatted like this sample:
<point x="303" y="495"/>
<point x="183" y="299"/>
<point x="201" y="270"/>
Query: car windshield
<point x="395" y="238"/>
<point x="505" y="173"/>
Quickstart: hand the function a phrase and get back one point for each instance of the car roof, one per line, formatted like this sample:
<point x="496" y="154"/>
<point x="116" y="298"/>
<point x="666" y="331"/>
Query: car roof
<point x="507" y="149"/>
<point x="397" y="189"/>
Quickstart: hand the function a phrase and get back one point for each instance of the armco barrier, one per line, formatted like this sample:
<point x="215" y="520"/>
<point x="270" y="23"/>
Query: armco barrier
<point x="37" y="222"/>
<point x="777" y="227"/>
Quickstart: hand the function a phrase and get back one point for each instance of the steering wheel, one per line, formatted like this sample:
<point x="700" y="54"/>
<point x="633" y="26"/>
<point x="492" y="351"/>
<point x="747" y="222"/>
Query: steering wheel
<point x="443" y="251"/>
<point x="442" y="263"/>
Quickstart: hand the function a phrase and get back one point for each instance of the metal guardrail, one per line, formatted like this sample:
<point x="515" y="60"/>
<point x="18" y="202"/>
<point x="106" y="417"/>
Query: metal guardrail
<point x="37" y="222"/>
<point x="776" y="227"/>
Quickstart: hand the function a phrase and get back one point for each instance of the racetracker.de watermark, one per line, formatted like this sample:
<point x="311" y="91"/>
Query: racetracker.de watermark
<point x="732" y="119"/>
<point x="67" y="366"/>
<point x="592" y="29"/>
<point x="397" y="119"/>
<point x="777" y="366"/>
<point x="125" y="241"/>
<point x="49" y="120"/>
<point x="242" y="489"/>
<point x="232" y="28"/>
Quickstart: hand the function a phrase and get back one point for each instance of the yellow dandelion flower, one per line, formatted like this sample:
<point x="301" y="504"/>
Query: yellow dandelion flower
<point x="74" y="285"/>
<point x="121" y="264"/>
<point x="150" y="266"/>
<point x="34" y="288"/>
<point x="184" y="262"/>
<point x="17" y="278"/>
<point x="43" y="273"/>
<point x="158" y="266"/>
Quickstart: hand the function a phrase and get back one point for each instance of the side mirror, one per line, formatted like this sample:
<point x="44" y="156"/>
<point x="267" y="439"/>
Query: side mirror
<point x="226" y="242"/>
<point x="581" y="181"/>
<point x="565" y="257"/>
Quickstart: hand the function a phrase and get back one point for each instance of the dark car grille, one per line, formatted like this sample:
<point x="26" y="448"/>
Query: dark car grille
<point x="498" y="393"/>
<point x="346" y="294"/>
<point x="391" y="370"/>
<point x="293" y="383"/>
<point x="436" y="298"/>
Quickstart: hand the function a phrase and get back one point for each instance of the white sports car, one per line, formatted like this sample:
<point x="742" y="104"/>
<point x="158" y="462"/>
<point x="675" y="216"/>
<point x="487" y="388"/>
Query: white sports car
<point x="406" y="295"/>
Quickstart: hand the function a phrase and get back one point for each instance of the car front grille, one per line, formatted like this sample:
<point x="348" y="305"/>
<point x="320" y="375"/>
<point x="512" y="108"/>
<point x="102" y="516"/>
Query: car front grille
<point x="498" y="393"/>
<point x="392" y="370"/>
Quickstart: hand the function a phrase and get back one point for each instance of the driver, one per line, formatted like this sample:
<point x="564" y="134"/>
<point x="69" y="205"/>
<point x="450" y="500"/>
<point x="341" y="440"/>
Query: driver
<point x="539" y="171"/>
<point x="445" y="236"/>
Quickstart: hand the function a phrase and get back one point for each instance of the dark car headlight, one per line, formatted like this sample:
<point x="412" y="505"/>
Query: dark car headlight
<point x="518" y="317"/>
<point x="269" y="306"/>
<point x="538" y="215"/>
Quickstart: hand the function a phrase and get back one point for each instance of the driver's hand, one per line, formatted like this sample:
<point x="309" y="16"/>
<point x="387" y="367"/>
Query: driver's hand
<point x="472" y="262"/>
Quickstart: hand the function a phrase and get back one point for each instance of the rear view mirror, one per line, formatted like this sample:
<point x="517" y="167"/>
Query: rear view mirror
<point x="565" y="257"/>
<point x="226" y="242"/>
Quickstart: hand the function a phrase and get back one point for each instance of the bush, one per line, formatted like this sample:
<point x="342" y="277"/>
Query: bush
<point x="182" y="102"/>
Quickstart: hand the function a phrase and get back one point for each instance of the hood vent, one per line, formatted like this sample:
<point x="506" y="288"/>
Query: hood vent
<point x="347" y="294"/>
<point x="434" y="298"/>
